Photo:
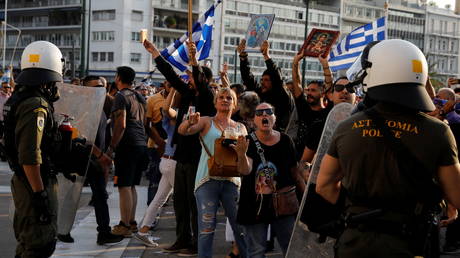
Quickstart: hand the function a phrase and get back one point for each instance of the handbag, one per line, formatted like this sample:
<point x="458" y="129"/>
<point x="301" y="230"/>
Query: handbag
<point x="285" y="200"/>
<point x="224" y="162"/>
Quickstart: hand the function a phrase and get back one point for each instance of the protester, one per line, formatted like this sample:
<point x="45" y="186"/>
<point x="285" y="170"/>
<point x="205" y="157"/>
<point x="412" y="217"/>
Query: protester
<point x="309" y="103"/>
<point x="271" y="87"/>
<point x="167" y="168"/>
<point x="156" y="143"/>
<point x="210" y="191"/>
<point x="264" y="173"/>
<point x="195" y="94"/>
<point x="129" y="145"/>
<point x="98" y="174"/>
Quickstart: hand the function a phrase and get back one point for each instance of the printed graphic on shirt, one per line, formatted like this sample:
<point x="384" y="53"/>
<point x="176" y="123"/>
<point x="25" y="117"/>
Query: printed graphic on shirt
<point x="265" y="178"/>
<point x="397" y="128"/>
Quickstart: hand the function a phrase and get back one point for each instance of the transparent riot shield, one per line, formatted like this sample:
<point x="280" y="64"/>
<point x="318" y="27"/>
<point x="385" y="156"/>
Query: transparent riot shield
<point x="84" y="105"/>
<point x="303" y="242"/>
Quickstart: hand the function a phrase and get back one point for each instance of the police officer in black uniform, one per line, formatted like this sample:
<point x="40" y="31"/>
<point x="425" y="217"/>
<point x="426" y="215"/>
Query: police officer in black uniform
<point x="30" y="136"/>
<point x="393" y="162"/>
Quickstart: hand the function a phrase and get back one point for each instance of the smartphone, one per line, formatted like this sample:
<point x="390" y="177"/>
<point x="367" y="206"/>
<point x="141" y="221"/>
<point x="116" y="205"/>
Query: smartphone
<point x="227" y="142"/>
<point x="143" y="35"/>
<point x="191" y="110"/>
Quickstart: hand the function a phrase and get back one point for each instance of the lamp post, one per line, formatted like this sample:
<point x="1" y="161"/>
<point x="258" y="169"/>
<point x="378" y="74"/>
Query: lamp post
<point x="4" y="33"/>
<point x="304" y="63"/>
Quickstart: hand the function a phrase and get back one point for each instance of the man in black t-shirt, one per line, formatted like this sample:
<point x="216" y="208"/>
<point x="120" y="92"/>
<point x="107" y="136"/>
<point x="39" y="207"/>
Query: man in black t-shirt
<point x="129" y="142"/>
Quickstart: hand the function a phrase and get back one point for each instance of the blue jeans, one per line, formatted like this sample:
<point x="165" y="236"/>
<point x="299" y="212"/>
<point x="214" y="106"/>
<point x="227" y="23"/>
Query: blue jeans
<point x="208" y="197"/>
<point x="256" y="235"/>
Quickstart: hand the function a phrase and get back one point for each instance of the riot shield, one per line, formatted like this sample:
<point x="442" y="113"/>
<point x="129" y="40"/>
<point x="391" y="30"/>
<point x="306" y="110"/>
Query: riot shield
<point x="303" y="242"/>
<point x="84" y="105"/>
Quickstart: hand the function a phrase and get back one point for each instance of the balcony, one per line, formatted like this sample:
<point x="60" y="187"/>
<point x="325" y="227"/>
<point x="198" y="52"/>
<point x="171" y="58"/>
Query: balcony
<point x="21" y="4"/>
<point x="174" y="5"/>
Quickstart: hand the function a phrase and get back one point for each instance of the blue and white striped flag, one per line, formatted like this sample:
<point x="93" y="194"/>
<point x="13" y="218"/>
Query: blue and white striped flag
<point x="177" y="52"/>
<point x="346" y="52"/>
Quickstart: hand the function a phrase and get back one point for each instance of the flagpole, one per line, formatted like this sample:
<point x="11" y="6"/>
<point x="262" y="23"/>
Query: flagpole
<point x="4" y="34"/>
<point x="385" y="11"/>
<point x="190" y="20"/>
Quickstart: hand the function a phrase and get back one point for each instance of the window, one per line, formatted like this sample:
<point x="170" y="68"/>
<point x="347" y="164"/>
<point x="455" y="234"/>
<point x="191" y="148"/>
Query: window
<point x="95" y="56"/>
<point x="243" y="7"/>
<point x="110" y="56"/>
<point x="231" y="5"/>
<point x="103" y="35"/>
<point x="255" y="8"/>
<point x="103" y="15"/>
<point x="102" y="56"/>
<point x="136" y="16"/>
<point x="135" y="36"/>
<point x="135" y="57"/>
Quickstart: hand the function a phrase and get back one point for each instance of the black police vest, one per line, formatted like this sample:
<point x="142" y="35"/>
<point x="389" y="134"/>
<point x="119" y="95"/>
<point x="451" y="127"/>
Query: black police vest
<point x="50" y="139"/>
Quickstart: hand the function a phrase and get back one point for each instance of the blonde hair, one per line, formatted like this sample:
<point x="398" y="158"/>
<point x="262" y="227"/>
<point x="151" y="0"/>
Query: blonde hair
<point x="229" y="92"/>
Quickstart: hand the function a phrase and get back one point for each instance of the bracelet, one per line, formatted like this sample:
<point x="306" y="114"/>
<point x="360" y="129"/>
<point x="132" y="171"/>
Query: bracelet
<point x="324" y="68"/>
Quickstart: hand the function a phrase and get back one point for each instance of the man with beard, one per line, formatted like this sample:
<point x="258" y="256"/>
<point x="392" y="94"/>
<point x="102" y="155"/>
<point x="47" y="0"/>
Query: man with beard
<point x="310" y="108"/>
<point x="340" y="93"/>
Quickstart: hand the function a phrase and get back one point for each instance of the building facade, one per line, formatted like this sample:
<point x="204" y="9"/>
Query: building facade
<point x="442" y="42"/>
<point x="57" y="21"/>
<point x="286" y="37"/>
<point x="111" y="31"/>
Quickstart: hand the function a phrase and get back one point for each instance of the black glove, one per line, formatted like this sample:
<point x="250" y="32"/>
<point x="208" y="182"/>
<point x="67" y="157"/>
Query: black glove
<point x="40" y="203"/>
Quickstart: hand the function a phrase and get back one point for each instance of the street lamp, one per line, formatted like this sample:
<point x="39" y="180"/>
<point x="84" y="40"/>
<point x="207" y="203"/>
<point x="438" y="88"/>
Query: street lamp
<point x="15" y="46"/>
<point x="304" y="63"/>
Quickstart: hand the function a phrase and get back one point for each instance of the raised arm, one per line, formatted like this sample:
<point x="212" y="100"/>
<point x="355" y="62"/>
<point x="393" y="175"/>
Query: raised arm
<point x="326" y="71"/>
<point x="193" y="125"/>
<point x="166" y="69"/>
<point x="296" y="78"/>
<point x="224" y="76"/>
<point x="275" y="73"/>
<point x="248" y="78"/>
<point x="167" y="106"/>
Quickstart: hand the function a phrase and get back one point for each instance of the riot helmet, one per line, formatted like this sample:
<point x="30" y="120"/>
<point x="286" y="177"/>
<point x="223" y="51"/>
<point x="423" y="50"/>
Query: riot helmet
<point x="41" y="63"/>
<point x="394" y="71"/>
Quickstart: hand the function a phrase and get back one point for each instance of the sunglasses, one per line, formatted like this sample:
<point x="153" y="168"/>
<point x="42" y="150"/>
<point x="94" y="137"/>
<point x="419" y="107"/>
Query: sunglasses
<point x="340" y="87"/>
<point x="260" y="112"/>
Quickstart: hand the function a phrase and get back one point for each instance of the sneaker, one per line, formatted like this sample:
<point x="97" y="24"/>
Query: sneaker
<point x="155" y="222"/>
<point x="175" y="248"/>
<point x="145" y="240"/>
<point x="65" y="238"/>
<point x="108" y="238"/>
<point x="133" y="226"/>
<point x="189" y="252"/>
<point x="122" y="230"/>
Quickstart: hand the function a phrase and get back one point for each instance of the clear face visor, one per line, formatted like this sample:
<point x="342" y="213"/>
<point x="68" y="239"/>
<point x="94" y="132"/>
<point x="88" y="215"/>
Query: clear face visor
<point x="356" y="74"/>
<point x="355" y="70"/>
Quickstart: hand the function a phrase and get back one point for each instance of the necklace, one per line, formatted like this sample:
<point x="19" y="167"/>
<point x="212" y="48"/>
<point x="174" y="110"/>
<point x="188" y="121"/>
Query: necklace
<point x="223" y="125"/>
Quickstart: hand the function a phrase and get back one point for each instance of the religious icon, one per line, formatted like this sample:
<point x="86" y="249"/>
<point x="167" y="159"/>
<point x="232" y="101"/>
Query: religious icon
<point x="319" y="42"/>
<point x="258" y="31"/>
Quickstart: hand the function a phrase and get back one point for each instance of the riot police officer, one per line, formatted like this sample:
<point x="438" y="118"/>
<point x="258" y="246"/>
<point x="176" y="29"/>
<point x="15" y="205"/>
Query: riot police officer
<point x="394" y="162"/>
<point x="30" y="137"/>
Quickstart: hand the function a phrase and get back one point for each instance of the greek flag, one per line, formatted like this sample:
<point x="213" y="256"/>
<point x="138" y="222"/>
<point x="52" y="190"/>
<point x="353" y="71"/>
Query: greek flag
<point x="346" y="52"/>
<point x="177" y="52"/>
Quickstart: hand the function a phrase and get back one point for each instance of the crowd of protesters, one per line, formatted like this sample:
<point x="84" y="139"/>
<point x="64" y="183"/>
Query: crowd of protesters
<point x="169" y="133"/>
